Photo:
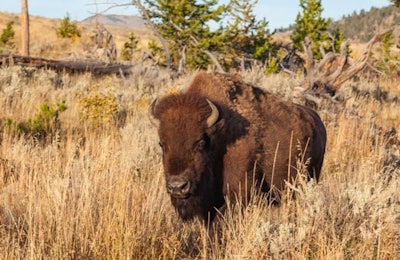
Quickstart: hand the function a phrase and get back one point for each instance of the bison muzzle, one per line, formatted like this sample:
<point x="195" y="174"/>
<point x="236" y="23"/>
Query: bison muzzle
<point x="222" y="137"/>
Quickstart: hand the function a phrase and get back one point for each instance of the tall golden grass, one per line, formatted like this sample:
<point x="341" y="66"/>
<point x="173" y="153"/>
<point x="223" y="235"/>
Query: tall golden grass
<point x="55" y="47"/>
<point x="98" y="191"/>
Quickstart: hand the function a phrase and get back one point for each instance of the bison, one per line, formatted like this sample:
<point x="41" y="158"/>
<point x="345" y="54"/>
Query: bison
<point x="221" y="137"/>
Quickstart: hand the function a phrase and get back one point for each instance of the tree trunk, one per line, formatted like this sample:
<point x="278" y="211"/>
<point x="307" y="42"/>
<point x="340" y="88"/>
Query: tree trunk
<point x="24" y="28"/>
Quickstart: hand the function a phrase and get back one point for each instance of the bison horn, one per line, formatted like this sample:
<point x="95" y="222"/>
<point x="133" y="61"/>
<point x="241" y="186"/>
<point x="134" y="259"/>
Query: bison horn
<point x="212" y="119"/>
<point x="153" y="120"/>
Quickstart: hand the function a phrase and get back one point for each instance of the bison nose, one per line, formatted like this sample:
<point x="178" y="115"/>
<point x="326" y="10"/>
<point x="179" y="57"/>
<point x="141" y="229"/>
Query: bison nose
<point x="178" y="188"/>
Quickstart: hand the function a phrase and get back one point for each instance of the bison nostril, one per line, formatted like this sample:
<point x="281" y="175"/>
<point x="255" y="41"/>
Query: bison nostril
<point x="178" y="187"/>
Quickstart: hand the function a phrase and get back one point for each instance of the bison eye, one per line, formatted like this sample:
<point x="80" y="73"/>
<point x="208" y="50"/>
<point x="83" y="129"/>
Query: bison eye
<point x="203" y="143"/>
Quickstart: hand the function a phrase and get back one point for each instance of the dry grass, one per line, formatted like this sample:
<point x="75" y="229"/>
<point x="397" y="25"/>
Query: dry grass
<point x="95" y="192"/>
<point x="52" y="46"/>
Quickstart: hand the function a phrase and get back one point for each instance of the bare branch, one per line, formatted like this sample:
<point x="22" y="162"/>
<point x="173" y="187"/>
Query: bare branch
<point x="146" y="17"/>
<point x="334" y="69"/>
<point x="308" y="59"/>
<point x="342" y="61"/>
<point x="322" y="50"/>
<point x="359" y="64"/>
<point x="109" y="6"/>
<point x="287" y="71"/>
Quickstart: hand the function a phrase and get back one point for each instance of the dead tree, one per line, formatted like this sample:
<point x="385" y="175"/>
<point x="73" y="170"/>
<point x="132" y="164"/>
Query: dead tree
<point x="104" y="48"/>
<point x="24" y="28"/>
<point x="325" y="77"/>
<point x="78" y="66"/>
<point x="146" y="17"/>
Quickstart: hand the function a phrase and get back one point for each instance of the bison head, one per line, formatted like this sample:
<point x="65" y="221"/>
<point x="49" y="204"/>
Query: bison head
<point x="187" y="127"/>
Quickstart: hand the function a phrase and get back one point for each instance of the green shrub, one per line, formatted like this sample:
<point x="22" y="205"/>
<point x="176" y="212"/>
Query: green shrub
<point x="46" y="121"/>
<point x="7" y="37"/>
<point x="389" y="61"/>
<point x="273" y="62"/>
<point x="43" y="124"/>
<point x="129" y="47"/>
<point x="98" y="109"/>
<point x="68" y="29"/>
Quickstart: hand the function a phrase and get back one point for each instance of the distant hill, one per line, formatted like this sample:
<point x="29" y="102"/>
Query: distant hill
<point x="126" y="21"/>
<point x="364" y="25"/>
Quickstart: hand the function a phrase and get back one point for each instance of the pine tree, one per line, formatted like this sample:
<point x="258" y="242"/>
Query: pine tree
<point x="68" y="28"/>
<point x="129" y="47"/>
<point x="310" y="24"/>
<point x="7" y="37"/>
<point x="185" y="25"/>
<point x="246" y="36"/>
<point x="388" y="62"/>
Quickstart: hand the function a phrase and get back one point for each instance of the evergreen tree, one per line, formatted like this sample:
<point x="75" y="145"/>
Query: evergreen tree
<point x="246" y="36"/>
<point x="7" y="37"/>
<point x="185" y="25"/>
<point x="388" y="61"/>
<point x="310" y="24"/>
<point x="387" y="43"/>
<point x="68" y="28"/>
<point x="129" y="47"/>
<point x="156" y="51"/>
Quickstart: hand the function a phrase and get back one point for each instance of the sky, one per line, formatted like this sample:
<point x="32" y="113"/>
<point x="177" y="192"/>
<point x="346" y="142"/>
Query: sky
<point x="278" y="13"/>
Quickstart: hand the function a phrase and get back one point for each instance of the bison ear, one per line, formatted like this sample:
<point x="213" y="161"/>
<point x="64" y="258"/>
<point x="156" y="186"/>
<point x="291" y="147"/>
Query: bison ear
<point x="154" y="121"/>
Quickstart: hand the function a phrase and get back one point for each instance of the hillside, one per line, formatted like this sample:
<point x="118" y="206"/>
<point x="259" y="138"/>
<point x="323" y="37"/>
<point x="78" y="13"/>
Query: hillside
<point x="52" y="46"/>
<point x="363" y="25"/>
<point x="125" y="21"/>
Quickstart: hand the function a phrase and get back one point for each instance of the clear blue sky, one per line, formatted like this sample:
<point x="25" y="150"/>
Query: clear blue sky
<point x="279" y="13"/>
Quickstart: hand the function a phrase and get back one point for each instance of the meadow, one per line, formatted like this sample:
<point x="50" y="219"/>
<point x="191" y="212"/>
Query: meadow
<point x="81" y="176"/>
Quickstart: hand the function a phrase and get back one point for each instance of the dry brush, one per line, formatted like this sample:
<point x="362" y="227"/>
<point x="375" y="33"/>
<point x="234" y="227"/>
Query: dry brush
<point x="97" y="190"/>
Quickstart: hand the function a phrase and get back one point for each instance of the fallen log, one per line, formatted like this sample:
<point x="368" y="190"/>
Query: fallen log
<point x="70" y="66"/>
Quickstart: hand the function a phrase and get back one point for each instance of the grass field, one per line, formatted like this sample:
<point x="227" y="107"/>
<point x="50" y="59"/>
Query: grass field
<point x="87" y="181"/>
<point x="55" y="47"/>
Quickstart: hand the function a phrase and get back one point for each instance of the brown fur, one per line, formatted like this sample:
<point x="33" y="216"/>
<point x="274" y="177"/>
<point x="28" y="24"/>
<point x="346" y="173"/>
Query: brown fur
<point x="256" y="140"/>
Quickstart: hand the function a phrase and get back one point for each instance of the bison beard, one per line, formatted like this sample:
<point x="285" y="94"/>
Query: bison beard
<point x="196" y="205"/>
<point x="187" y="208"/>
<point x="206" y="195"/>
<point x="220" y="128"/>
